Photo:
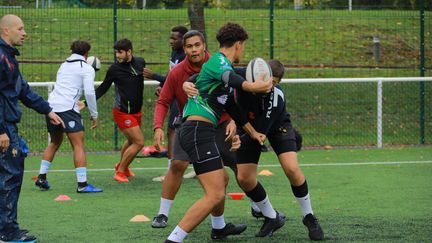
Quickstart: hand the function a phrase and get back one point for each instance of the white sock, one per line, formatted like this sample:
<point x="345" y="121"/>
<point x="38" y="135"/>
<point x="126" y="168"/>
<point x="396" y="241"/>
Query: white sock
<point x="305" y="204"/>
<point x="218" y="222"/>
<point x="177" y="235"/>
<point x="169" y="163"/>
<point x="81" y="174"/>
<point x="44" y="167"/>
<point x="254" y="206"/>
<point x="266" y="208"/>
<point x="165" y="206"/>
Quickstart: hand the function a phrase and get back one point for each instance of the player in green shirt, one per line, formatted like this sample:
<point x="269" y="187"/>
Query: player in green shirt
<point x="201" y="114"/>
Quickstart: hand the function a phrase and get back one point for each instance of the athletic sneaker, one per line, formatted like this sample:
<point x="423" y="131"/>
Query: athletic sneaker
<point x="120" y="177"/>
<point x="160" y="221"/>
<point x="229" y="229"/>
<point x="314" y="228"/>
<point x="42" y="184"/>
<point x="128" y="172"/>
<point x="190" y="175"/>
<point x="159" y="178"/>
<point x="88" y="189"/>
<point x="19" y="236"/>
<point x="256" y="214"/>
<point x="170" y="241"/>
<point x="271" y="225"/>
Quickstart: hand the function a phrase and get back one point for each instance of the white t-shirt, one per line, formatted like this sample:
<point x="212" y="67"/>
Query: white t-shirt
<point x="73" y="76"/>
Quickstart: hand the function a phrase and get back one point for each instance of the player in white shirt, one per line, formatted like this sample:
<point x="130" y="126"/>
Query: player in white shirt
<point x="73" y="76"/>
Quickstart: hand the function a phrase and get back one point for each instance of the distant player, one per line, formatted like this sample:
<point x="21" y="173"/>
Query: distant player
<point x="177" y="55"/>
<point x="268" y="115"/>
<point x="73" y="76"/>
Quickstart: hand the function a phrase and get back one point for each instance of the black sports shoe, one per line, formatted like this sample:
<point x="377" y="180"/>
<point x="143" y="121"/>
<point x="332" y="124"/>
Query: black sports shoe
<point x="271" y="225"/>
<point x="160" y="221"/>
<point x="229" y="229"/>
<point x="169" y="241"/>
<point x="256" y="214"/>
<point x="19" y="236"/>
<point x="315" y="231"/>
<point x="42" y="184"/>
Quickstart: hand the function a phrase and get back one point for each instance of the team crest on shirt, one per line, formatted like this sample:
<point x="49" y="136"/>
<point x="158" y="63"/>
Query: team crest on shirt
<point x="128" y="122"/>
<point x="14" y="152"/>
<point x="222" y="99"/>
<point x="71" y="124"/>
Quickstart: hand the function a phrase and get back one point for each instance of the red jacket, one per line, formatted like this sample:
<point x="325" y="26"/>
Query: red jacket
<point x="173" y="89"/>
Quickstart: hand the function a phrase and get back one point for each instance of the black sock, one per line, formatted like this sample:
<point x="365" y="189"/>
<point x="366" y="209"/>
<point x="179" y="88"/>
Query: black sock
<point x="82" y="184"/>
<point x="42" y="176"/>
<point x="300" y="191"/>
<point x="257" y="194"/>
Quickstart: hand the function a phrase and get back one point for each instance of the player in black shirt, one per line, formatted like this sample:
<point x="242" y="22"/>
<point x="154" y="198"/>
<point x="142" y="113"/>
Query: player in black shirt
<point x="127" y="75"/>
<point x="268" y="115"/>
<point x="177" y="55"/>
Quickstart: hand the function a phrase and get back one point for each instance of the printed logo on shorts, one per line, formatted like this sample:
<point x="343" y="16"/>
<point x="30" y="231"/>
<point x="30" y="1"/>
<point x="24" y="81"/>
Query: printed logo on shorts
<point x="71" y="124"/>
<point x="128" y="122"/>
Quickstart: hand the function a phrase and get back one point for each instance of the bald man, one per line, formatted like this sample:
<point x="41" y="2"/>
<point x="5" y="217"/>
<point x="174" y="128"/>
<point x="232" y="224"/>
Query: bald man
<point x="13" y="148"/>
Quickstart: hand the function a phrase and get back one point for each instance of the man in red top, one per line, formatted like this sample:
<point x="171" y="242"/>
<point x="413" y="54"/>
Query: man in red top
<point x="196" y="55"/>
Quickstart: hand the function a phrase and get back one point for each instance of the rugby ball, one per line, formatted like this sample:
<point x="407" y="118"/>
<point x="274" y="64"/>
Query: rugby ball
<point x="94" y="62"/>
<point x="256" y="68"/>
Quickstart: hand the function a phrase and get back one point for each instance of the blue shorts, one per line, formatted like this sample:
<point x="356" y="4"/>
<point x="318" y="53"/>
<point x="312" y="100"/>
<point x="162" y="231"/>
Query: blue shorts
<point x="72" y="120"/>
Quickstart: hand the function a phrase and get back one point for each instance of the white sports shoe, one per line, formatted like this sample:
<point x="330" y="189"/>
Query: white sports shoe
<point x="189" y="175"/>
<point x="159" y="178"/>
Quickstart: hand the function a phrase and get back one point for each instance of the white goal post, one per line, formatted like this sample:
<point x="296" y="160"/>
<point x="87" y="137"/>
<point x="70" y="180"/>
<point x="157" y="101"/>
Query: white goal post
<point x="378" y="81"/>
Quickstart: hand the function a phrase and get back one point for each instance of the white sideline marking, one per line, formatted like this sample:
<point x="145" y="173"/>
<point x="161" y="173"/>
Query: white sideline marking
<point x="272" y="165"/>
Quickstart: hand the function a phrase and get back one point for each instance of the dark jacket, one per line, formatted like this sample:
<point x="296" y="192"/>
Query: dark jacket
<point x="14" y="88"/>
<point x="129" y="85"/>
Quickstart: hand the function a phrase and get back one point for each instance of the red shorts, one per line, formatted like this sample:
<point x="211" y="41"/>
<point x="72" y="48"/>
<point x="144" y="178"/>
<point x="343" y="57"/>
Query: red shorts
<point x="125" y="120"/>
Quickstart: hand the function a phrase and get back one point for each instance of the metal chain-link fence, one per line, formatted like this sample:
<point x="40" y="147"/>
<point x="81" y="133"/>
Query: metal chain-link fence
<point x="312" y="43"/>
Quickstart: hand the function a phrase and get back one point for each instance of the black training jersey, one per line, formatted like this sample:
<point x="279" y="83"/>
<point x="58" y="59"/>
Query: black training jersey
<point x="265" y="113"/>
<point x="129" y="85"/>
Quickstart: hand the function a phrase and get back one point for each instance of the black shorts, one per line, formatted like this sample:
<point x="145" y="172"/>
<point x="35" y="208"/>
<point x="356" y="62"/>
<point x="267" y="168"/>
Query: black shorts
<point x="197" y="138"/>
<point x="174" y="114"/>
<point x="283" y="139"/>
<point x="228" y="157"/>
<point x="71" y="119"/>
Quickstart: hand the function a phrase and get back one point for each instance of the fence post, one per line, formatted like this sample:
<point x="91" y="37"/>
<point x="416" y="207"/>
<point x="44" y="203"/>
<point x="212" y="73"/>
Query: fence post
<point x="379" y="114"/>
<point x="422" y="72"/>
<point x="271" y="28"/>
<point x="50" y="89"/>
<point x="115" y="60"/>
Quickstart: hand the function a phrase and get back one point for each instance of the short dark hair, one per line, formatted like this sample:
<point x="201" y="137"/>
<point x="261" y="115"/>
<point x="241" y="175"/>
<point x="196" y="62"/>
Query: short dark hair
<point x="80" y="47"/>
<point x="192" y="33"/>
<point x="123" y="45"/>
<point x="277" y="68"/>
<point x="181" y="29"/>
<point x="230" y="33"/>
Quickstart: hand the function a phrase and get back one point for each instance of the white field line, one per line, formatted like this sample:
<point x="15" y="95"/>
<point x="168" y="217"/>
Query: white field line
<point x="271" y="165"/>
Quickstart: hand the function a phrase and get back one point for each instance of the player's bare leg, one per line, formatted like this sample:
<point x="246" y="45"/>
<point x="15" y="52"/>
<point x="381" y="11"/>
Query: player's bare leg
<point x="56" y="139"/>
<point x="136" y="142"/>
<point x="77" y="141"/>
